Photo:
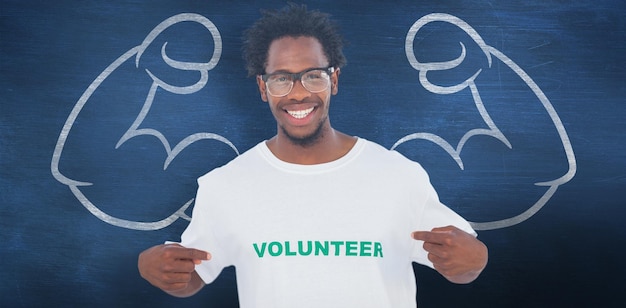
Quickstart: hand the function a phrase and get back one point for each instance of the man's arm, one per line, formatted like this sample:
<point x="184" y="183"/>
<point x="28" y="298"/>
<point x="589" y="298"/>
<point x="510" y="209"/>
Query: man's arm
<point x="171" y="268"/>
<point x="455" y="254"/>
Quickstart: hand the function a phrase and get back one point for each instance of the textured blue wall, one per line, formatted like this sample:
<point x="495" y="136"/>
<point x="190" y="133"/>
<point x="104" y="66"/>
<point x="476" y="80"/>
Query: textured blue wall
<point x="516" y="109"/>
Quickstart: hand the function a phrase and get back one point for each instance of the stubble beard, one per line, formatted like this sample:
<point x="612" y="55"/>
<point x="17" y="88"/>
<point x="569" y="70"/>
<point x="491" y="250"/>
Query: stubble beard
<point x="307" y="140"/>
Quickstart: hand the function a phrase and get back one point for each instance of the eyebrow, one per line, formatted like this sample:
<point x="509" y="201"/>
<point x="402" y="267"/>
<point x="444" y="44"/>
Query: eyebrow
<point x="279" y="72"/>
<point x="283" y="71"/>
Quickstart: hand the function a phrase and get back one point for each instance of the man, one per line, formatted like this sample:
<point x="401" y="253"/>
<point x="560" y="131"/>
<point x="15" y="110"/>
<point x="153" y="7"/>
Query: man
<point x="313" y="217"/>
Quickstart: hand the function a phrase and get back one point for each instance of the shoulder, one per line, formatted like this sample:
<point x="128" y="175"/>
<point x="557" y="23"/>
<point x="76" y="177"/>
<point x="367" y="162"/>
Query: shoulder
<point x="384" y="162"/>
<point x="392" y="158"/>
<point x="241" y="163"/>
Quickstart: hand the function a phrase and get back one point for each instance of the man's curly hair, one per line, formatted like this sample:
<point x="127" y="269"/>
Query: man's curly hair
<point x="291" y="21"/>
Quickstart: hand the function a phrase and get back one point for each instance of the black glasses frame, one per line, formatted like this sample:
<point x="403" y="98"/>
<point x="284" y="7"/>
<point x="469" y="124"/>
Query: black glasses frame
<point x="298" y="76"/>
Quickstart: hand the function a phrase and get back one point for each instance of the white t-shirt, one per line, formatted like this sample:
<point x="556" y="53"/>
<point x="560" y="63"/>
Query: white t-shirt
<point x="336" y="234"/>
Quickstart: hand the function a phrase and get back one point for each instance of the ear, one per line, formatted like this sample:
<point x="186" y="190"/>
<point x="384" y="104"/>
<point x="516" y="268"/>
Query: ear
<point x="334" y="81"/>
<point x="262" y="88"/>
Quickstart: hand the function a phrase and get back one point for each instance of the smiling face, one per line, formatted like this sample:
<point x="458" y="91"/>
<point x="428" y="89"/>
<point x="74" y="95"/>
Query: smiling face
<point x="301" y="116"/>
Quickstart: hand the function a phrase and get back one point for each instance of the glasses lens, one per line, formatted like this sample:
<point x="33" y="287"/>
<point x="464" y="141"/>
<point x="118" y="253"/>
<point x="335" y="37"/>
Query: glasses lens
<point x="315" y="80"/>
<point x="279" y="84"/>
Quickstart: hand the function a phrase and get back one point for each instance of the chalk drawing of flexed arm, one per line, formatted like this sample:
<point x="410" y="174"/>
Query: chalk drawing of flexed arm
<point x="157" y="83"/>
<point x="492" y="129"/>
<point x="136" y="129"/>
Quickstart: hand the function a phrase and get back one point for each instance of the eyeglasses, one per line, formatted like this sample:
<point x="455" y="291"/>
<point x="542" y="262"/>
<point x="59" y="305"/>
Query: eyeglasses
<point x="314" y="80"/>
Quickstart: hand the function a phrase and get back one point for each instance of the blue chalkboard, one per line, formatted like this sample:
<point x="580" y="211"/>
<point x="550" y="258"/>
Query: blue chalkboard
<point x="109" y="111"/>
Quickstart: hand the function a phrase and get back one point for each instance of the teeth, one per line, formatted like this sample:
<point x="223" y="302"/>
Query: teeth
<point x="299" y="114"/>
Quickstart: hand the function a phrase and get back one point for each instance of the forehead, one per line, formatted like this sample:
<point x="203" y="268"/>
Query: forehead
<point x="295" y="54"/>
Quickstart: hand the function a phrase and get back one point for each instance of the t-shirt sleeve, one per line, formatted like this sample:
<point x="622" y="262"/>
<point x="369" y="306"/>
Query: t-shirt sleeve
<point x="199" y="235"/>
<point x="434" y="214"/>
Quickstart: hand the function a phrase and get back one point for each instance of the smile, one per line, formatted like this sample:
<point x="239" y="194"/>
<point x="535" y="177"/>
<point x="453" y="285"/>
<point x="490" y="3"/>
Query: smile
<point x="300" y="114"/>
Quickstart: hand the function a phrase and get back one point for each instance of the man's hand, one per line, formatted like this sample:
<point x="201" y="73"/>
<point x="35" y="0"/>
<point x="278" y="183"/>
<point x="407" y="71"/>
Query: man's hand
<point x="456" y="254"/>
<point x="171" y="268"/>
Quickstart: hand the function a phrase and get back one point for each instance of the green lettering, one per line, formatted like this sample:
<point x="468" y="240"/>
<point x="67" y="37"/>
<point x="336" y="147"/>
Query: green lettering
<point x="322" y="248"/>
<point x="301" y="251"/>
<point x="275" y="252"/>
<point x="319" y="248"/>
<point x="366" y="249"/>
<point x="337" y="246"/>
<point x="259" y="252"/>
<point x="351" y="248"/>
<point x="378" y="249"/>
<point x="288" y="252"/>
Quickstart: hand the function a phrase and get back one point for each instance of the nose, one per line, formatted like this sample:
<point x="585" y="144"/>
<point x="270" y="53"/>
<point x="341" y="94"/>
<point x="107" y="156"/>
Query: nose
<point x="299" y="92"/>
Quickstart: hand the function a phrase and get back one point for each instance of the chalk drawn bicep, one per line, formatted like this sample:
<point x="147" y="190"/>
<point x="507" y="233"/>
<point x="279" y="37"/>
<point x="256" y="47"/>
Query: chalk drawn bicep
<point x="107" y="152"/>
<point x="503" y="121"/>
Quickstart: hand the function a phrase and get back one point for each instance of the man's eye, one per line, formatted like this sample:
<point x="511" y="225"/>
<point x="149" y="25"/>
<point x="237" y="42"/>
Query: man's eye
<point x="279" y="78"/>
<point x="313" y="75"/>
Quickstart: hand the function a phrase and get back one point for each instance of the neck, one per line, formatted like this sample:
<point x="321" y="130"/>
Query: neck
<point x="331" y="146"/>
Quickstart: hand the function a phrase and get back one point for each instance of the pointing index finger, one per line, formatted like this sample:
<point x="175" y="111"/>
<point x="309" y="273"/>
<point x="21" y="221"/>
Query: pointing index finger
<point x="436" y="237"/>
<point x="196" y="254"/>
<point x="180" y="252"/>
